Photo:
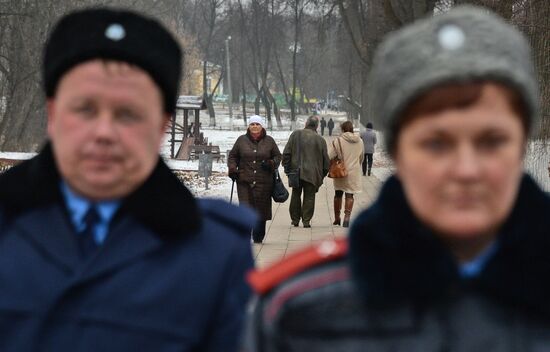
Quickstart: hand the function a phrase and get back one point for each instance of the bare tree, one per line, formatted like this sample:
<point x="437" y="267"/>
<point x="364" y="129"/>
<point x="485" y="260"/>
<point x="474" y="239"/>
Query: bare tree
<point x="205" y="18"/>
<point x="297" y="8"/>
<point x="367" y="21"/>
<point x="24" y="26"/>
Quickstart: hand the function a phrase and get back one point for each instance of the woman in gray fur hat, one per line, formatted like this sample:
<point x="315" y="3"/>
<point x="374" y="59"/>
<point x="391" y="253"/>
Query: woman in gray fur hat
<point x="454" y="253"/>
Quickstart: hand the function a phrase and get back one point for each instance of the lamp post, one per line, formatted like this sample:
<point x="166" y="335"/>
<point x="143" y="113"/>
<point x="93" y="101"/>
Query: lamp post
<point x="230" y="97"/>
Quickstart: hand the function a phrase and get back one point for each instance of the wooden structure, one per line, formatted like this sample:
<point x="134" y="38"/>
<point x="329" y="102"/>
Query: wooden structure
<point x="187" y="103"/>
<point x="214" y="150"/>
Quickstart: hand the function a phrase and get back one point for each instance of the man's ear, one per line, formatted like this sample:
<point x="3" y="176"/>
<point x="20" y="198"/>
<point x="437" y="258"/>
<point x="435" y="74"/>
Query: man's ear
<point x="50" y="110"/>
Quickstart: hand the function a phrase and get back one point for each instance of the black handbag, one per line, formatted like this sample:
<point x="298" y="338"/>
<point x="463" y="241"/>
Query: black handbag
<point x="279" y="193"/>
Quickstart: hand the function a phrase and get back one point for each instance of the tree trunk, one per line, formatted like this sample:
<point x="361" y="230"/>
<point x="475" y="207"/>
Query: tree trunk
<point x="206" y="96"/>
<point x="243" y="101"/>
<point x="276" y="109"/>
<point x="367" y="28"/>
<point x="23" y="126"/>
<point x="267" y="105"/>
<point x="257" y="103"/>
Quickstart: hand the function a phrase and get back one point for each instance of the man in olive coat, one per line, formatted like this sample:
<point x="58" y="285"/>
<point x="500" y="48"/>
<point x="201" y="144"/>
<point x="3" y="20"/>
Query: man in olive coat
<point x="307" y="152"/>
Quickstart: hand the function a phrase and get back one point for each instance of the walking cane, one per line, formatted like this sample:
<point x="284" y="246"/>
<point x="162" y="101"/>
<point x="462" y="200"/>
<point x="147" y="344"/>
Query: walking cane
<point x="231" y="198"/>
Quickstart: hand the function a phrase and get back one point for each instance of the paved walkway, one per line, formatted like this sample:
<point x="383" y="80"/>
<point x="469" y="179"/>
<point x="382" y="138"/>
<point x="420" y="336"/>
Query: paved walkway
<point x="282" y="238"/>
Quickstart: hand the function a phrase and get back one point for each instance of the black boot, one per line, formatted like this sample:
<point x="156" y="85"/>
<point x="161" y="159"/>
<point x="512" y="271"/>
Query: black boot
<point x="369" y="172"/>
<point x="258" y="232"/>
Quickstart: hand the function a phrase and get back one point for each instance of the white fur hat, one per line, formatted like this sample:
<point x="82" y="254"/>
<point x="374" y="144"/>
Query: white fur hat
<point x="256" y="119"/>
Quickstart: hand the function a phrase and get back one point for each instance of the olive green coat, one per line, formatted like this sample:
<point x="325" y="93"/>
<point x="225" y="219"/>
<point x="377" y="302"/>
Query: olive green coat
<point x="314" y="161"/>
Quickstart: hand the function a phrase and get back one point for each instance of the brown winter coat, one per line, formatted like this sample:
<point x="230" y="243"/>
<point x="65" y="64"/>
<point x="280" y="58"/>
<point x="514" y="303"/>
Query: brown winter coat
<point x="254" y="183"/>
<point x="352" y="150"/>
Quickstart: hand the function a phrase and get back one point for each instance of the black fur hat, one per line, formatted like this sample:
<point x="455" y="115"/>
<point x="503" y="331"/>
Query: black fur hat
<point x="118" y="35"/>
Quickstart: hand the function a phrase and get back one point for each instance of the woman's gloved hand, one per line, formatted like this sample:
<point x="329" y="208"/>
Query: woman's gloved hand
<point x="233" y="174"/>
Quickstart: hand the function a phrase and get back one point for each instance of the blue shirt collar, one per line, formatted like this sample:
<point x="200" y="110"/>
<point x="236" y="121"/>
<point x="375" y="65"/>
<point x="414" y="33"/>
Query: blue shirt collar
<point x="78" y="206"/>
<point x="473" y="268"/>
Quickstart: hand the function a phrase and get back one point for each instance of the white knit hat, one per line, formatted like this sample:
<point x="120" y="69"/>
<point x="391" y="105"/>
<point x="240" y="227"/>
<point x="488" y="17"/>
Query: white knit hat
<point x="256" y="119"/>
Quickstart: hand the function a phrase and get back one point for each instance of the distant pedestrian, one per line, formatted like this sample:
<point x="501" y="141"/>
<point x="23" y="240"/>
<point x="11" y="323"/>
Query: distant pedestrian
<point x="251" y="163"/>
<point x="330" y="126"/>
<point x="323" y="125"/>
<point x="190" y="130"/>
<point x="369" y="141"/>
<point x="347" y="147"/>
<point x="306" y="151"/>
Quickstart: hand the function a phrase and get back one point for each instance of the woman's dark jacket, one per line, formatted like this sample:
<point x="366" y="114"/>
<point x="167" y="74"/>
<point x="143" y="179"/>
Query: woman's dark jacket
<point x="255" y="162"/>
<point x="169" y="276"/>
<point x="399" y="288"/>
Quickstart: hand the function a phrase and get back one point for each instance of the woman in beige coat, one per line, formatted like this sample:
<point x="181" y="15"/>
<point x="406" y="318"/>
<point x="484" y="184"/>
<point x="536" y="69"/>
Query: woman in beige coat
<point x="351" y="151"/>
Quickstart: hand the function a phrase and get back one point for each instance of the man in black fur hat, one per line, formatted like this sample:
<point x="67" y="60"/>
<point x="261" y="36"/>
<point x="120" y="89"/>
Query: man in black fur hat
<point x="101" y="247"/>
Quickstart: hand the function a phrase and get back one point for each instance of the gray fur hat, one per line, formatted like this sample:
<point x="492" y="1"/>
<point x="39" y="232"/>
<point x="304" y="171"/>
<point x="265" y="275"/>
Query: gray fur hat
<point x="465" y="44"/>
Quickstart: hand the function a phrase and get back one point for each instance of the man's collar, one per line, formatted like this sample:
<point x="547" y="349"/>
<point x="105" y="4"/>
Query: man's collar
<point x="78" y="206"/>
<point x="162" y="203"/>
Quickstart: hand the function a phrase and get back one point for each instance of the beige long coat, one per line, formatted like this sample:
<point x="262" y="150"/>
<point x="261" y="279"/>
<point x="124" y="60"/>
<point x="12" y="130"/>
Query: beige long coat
<point x="352" y="149"/>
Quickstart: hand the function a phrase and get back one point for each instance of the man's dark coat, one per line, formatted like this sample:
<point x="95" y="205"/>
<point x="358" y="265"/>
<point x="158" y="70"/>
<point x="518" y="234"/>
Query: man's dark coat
<point x="307" y="151"/>
<point x="168" y="278"/>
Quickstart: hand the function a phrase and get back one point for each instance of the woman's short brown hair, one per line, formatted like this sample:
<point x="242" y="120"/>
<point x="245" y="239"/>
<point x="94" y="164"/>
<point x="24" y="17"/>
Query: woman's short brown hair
<point x="457" y="96"/>
<point x="346" y="126"/>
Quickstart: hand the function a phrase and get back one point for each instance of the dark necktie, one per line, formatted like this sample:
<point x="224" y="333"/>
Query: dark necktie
<point x="86" y="239"/>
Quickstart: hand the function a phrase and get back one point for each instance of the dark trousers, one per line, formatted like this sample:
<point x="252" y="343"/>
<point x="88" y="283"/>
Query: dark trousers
<point x="305" y="209"/>
<point x="367" y="161"/>
<point x="258" y="231"/>
<point x="322" y="131"/>
<point x="330" y="131"/>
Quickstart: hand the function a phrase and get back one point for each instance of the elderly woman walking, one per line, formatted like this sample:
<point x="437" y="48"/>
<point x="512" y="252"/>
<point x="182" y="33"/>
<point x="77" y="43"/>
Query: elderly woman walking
<point x="251" y="163"/>
<point x="347" y="147"/>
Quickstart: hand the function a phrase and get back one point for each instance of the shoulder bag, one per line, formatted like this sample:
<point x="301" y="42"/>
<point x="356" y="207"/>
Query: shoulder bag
<point x="337" y="168"/>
